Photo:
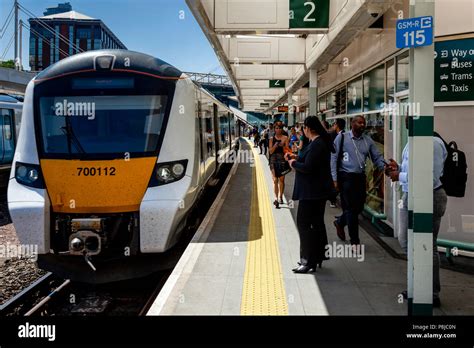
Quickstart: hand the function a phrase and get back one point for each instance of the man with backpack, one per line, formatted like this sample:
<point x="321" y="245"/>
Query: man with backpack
<point x="348" y="164"/>
<point x="443" y="158"/>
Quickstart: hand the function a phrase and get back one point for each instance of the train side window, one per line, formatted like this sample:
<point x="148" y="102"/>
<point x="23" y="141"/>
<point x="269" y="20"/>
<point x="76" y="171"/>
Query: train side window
<point x="223" y="128"/>
<point x="209" y="134"/>
<point x="207" y="128"/>
<point x="201" y="139"/>
<point x="7" y="123"/>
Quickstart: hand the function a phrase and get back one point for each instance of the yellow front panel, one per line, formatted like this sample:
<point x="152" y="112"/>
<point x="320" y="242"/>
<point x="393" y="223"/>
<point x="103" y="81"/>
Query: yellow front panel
<point x="117" y="187"/>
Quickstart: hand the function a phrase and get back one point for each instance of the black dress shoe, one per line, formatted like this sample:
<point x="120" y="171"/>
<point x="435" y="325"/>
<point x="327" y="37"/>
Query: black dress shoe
<point x="318" y="263"/>
<point x="304" y="269"/>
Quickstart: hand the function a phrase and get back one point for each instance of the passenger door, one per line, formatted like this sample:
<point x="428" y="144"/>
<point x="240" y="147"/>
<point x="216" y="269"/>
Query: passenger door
<point x="6" y="143"/>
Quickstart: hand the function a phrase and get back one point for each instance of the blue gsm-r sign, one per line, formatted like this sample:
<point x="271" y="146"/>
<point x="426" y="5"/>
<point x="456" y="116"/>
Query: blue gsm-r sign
<point x="415" y="32"/>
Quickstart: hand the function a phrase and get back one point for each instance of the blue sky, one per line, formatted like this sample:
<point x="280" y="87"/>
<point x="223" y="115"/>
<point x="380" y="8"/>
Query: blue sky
<point x="149" y="26"/>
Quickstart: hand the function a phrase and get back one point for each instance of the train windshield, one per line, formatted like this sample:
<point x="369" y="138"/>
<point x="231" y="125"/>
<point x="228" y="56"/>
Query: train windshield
<point x="102" y="124"/>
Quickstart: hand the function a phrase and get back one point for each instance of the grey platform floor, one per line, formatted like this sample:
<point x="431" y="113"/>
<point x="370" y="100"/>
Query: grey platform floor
<point x="211" y="282"/>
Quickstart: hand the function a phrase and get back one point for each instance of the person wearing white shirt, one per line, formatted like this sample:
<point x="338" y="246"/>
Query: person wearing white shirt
<point x="440" y="199"/>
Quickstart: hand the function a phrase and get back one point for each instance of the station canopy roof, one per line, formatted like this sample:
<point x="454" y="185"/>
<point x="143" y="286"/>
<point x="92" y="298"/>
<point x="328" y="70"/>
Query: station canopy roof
<point x="267" y="47"/>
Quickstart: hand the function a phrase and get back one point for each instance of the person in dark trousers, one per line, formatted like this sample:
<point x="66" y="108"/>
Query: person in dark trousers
<point x="336" y="128"/>
<point x="263" y="140"/>
<point x="313" y="186"/>
<point x="348" y="174"/>
<point x="256" y="137"/>
<point x="440" y="199"/>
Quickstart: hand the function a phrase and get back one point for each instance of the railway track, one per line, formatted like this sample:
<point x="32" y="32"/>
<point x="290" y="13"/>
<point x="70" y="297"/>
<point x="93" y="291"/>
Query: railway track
<point x="52" y="296"/>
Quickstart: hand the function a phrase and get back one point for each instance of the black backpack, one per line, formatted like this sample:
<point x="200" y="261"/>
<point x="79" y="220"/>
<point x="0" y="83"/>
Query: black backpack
<point x="455" y="170"/>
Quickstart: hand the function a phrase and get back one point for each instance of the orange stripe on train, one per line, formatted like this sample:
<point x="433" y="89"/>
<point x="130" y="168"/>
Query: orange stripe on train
<point x="109" y="186"/>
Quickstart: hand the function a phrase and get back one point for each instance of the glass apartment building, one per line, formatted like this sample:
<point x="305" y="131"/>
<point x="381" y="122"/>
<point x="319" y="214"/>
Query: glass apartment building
<point x="59" y="35"/>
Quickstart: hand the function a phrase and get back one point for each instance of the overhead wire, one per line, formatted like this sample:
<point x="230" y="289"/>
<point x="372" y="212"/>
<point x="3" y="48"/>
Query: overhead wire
<point x="66" y="54"/>
<point x="9" y="45"/>
<point x="6" y="23"/>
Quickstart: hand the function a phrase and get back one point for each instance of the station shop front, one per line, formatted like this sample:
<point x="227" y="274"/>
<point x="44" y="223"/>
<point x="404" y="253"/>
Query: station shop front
<point x="371" y="78"/>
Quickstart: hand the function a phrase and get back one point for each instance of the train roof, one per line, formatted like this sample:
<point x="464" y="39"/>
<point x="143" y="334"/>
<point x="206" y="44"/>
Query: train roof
<point x="124" y="60"/>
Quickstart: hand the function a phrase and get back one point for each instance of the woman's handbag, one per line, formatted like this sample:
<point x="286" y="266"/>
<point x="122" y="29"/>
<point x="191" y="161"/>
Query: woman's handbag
<point x="284" y="167"/>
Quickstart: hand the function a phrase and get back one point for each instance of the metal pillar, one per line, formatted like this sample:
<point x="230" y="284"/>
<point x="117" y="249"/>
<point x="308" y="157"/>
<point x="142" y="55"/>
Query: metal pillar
<point x="420" y="190"/>
<point x="20" y="55"/>
<point x="16" y="59"/>
<point x="313" y="92"/>
<point x="291" y="112"/>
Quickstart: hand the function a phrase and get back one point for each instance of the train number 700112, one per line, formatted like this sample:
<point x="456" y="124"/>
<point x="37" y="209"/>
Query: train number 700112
<point x="99" y="171"/>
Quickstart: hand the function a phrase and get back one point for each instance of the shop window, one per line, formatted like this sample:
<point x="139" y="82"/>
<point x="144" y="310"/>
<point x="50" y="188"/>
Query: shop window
<point x="390" y="88"/>
<point x="322" y="104"/>
<point x="403" y="71"/>
<point x="340" y="101"/>
<point x="374" y="91"/>
<point x="375" y="177"/>
<point x="354" y="96"/>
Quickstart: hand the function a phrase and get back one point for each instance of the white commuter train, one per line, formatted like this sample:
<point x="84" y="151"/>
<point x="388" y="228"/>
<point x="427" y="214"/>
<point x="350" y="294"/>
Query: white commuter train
<point x="114" y="150"/>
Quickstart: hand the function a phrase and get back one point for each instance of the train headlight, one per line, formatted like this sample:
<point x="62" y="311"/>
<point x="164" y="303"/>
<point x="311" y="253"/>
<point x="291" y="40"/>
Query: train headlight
<point x="165" y="173"/>
<point x="21" y="171"/>
<point x="177" y="169"/>
<point x="29" y="175"/>
<point x="33" y="175"/>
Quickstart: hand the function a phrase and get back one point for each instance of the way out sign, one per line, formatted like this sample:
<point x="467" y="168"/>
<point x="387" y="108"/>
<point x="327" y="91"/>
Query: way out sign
<point x="415" y="32"/>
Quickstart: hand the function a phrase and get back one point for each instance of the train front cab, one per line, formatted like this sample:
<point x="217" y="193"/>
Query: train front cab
<point x="86" y="171"/>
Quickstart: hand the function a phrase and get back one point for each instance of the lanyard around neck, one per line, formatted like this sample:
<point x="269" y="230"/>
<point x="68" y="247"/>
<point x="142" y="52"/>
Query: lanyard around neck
<point x="359" y="155"/>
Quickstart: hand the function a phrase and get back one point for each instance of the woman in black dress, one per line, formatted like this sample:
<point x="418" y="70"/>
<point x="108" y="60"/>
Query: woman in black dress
<point x="313" y="187"/>
<point x="277" y="162"/>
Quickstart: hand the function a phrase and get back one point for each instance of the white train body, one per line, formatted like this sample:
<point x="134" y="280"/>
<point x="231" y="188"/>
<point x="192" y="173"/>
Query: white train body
<point x="114" y="150"/>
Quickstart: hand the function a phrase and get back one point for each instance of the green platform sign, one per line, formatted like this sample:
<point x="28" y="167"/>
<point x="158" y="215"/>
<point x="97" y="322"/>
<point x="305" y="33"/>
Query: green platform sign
<point x="454" y="67"/>
<point x="277" y="84"/>
<point x="309" y="14"/>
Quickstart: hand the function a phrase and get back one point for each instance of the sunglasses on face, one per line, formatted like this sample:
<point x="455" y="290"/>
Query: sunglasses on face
<point x="277" y="127"/>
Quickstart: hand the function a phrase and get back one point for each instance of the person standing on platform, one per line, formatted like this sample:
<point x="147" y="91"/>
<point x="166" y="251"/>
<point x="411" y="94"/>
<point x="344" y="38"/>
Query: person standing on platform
<point x="440" y="200"/>
<point x="348" y="173"/>
<point x="303" y="141"/>
<point x="337" y="128"/>
<point x="326" y="125"/>
<point x="271" y="131"/>
<point x="256" y="137"/>
<point x="293" y="140"/>
<point x="313" y="187"/>
<point x="263" y="140"/>
<point x="278" y="163"/>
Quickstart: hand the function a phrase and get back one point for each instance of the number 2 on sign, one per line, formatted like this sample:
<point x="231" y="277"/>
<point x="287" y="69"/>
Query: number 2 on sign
<point x="311" y="11"/>
<point x="411" y="39"/>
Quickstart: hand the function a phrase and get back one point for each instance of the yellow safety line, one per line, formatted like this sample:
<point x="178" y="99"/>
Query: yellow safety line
<point x="263" y="291"/>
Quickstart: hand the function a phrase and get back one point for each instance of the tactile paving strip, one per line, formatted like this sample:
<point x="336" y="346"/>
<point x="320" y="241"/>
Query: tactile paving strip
<point x="263" y="290"/>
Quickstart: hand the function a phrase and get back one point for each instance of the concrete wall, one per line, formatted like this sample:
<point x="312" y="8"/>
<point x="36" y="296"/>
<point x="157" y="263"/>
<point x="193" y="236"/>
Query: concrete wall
<point x="13" y="80"/>
<point x="454" y="17"/>
<point x="372" y="46"/>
